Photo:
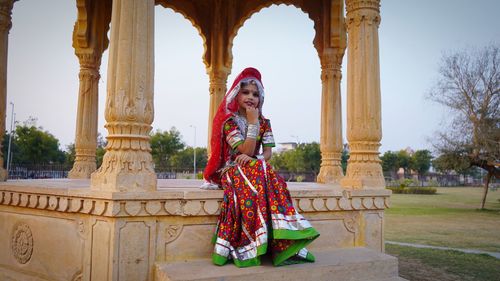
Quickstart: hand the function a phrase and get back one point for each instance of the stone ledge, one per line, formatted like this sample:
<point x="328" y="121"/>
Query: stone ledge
<point x="173" y="198"/>
<point x="355" y="264"/>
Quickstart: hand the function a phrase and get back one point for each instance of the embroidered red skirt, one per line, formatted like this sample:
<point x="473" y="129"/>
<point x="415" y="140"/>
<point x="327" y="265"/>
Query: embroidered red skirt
<point x="257" y="216"/>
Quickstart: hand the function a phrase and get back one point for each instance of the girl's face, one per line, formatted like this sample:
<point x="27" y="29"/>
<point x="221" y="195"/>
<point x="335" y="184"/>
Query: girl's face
<point x="248" y="97"/>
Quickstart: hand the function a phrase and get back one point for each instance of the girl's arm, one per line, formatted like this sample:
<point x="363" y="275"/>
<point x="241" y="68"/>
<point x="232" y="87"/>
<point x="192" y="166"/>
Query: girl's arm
<point x="267" y="152"/>
<point x="247" y="147"/>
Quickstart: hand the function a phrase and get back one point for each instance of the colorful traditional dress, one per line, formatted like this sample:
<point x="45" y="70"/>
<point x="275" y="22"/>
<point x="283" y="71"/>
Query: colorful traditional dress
<point x="257" y="213"/>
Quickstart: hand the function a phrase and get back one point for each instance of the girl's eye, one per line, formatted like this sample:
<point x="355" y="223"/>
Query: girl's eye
<point x="256" y="95"/>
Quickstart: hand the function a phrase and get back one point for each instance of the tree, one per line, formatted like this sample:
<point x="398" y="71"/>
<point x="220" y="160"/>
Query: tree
<point x="184" y="158"/>
<point x="390" y="163"/>
<point x="344" y="158"/>
<point x="311" y="154"/>
<point x="404" y="160"/>
<point x="32" y="145"/>
<point x="421" y="162"/>
<point x="306" y="157"/>
<point x="469" y="86"/>
<point x="164" y="145"/>
<point x="100" y="150"/>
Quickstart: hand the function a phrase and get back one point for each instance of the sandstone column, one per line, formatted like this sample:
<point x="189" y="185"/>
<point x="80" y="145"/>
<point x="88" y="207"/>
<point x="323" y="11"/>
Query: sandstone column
<point x="5" y="25"/>
<point x="331" y="117"/>
<point x="364" y="130"/>
<point x="218" y="88"/>
<point x="86" y="120"/>
<point x="127" y="164"/>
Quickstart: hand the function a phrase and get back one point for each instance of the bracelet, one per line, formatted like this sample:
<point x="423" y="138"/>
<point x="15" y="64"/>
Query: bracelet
<point x="252" y="131"/>
<point x="260" y="157"/>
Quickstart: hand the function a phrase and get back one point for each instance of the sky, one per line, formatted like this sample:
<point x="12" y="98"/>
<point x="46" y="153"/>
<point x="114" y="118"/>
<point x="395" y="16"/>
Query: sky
<point x="43" y="70"/>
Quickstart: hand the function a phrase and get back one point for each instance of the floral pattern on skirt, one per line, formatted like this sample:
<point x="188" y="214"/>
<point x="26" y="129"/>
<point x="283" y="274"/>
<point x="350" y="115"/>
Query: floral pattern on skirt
<point x="257" y="216"/>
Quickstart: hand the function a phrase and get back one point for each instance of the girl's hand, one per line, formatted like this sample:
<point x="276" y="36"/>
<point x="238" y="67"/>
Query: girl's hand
<point x="252" y="114"/>
<point x="243" y="159"/>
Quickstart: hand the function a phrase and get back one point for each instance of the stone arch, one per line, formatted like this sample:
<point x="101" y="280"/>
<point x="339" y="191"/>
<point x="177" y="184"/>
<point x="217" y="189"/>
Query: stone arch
<point x="249" y="11"/>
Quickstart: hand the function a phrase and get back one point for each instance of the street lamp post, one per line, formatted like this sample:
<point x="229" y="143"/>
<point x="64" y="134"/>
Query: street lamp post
<point x="194" y="151"/>
<point x="10" y="137"/>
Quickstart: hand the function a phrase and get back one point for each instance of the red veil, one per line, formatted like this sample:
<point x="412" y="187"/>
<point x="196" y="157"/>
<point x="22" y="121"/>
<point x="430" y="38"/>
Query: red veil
<point x="227" y="108"/>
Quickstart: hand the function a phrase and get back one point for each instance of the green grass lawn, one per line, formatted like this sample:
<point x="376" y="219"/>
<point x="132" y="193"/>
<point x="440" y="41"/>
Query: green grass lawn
<point x="430" y="265"/>
<point x="450" y="218"/>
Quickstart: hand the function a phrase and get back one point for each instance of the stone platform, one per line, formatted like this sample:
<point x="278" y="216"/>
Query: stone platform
<point x="353" y="264"/>
<point x="63" y="230"/>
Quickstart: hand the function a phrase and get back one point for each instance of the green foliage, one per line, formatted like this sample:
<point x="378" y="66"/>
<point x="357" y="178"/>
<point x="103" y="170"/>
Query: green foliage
<point x="305" y="158"/>
<point x="390" y="162"/>
<point x="70" y="154"/>
<point x="32" y="145"/>
<point x="413" y="190"/>
<point x="404" y="161"/>
<point x="344" y="159"/>
<point x="408" y="182"/>
<point x="451" y="161"/>
<point x="421" y="161"/>
<point x="164" y="145"/>
<point x="185" y="157"/>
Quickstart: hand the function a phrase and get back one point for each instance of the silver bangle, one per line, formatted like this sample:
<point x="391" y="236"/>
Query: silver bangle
<point x="253" y="131"/>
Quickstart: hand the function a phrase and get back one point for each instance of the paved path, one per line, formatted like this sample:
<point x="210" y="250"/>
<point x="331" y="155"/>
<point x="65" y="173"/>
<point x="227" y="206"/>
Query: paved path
<point x="469" y="251"/>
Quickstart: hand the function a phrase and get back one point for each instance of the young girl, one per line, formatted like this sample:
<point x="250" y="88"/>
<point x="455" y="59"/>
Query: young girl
<point x="257" y="213"/>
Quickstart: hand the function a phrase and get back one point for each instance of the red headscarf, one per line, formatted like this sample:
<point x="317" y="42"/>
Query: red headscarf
<point x="228" y="107"/>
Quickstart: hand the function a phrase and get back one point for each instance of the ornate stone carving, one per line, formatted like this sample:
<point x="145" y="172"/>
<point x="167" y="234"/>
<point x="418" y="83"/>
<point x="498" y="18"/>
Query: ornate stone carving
<point x="172" y="232"/>
<point x="78" y="276"/>
<point x="127" y="164"/>
<point x="351" y="222"/>
<point x="363" y="95"/>
<point x="176" y="207"/>
<point x="6" y="16"/>
<point x="22" y="243"/>
<point x="86" y="123"/>
<point x="331" y="117"/>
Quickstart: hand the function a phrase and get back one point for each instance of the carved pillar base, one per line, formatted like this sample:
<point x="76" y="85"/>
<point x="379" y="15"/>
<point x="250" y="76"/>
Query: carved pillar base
<point x="331" y="168"/>
<point x="127" y="164"/>
<point x="364" y="169"/>
<point x="84" y="164"/>
<point x="125" y="171"/>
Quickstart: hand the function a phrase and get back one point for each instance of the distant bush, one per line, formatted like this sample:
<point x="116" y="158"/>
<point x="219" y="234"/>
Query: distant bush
<point x="408" y="182"/>
<point x="413" y="190"/>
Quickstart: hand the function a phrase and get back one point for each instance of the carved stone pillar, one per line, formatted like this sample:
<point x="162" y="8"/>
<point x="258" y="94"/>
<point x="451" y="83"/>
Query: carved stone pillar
<point x="5" y="25"/>
<point x="364" y="130"/>
<point x="331" y="117"/>
<point x="218" y="88"/>
<point x="127" y="164"/>
<point x="86" y="119"/>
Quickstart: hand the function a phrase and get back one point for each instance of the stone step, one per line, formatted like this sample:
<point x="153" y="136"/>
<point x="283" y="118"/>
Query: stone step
<point x="390" y="279"/>
<point x="353" y="264"/>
